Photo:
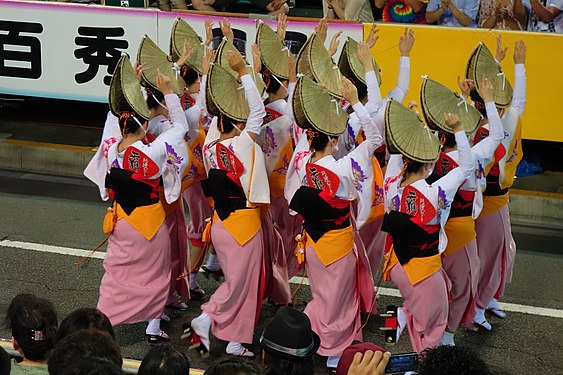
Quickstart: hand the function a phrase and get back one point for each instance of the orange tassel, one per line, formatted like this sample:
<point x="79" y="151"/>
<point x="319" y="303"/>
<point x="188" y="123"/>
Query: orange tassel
<point x="206" y="236"/>
<point x="109" y="220"/>
<point x="300" y="251"/>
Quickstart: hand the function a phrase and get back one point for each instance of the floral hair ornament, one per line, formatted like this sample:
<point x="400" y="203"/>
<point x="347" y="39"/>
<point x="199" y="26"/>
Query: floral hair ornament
<point x="311" y="135"/>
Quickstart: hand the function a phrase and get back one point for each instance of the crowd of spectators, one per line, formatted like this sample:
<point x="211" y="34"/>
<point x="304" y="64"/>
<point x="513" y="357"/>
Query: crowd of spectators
<point x="84" y="343"/>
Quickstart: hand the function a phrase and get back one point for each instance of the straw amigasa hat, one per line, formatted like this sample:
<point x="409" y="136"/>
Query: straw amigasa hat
<point x="313" y="106"/>
<point x="224" y="94"/>
<point x="273" y="52"/>
<point x="154" y="58"/>
<point x="221" y="58"/>
<point x="181" y="31"/>
<point x="483" y="64"/>
<point x="406" y="134"/>
<point x="125" y="94"/>
<point x="350" y="64"/>
<point x="315" y="62"/>
<point x="436" y="99"/>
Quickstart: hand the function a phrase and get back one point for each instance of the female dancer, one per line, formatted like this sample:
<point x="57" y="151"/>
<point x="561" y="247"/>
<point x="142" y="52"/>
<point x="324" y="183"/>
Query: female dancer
<point x="238" y="185"/>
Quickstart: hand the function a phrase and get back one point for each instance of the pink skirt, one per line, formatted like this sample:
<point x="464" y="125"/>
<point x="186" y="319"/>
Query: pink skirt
<point x="334" y="310"/>
<point x="275" y="263"/>
<point x="425" y="306"/>
<point x="136" y="281"/>
<point x="199" y="211"/>
<point x="234" y="306"/>
<point x="497" y="250"/>
<point x="374" y="242"/>
<point x="462" y="268"/>
<point x="288" y="226"/>
<point x="180" y="254"/>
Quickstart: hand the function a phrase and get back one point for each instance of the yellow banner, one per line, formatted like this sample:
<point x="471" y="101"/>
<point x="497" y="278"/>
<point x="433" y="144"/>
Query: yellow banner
<point x="441" y="54"/>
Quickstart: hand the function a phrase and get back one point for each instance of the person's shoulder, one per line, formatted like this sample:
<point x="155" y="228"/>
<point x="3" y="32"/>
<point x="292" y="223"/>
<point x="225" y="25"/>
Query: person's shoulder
<point x="18" y="369"/>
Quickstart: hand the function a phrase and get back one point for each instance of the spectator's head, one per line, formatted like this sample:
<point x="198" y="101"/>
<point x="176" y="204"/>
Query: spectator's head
<point x="164" y="360"/>
<point x="33" y="322"/>
<point x="5" y="363"/>
<point x="348" y="355"/>
<point x="289" y="343"/>
<point x="233" y="366"/>
<point x="85" y="318"/>
<point x="446" y="360"/>
<point x="92" y="366"/>
<point x="81" y="344"/>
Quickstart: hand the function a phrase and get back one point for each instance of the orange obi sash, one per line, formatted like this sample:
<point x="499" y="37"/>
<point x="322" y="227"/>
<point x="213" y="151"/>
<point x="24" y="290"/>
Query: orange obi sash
<point x="493" y="203"/>
<point x="417" y="269"/>
<point x="460" y="231"/>
<point x="333" y="245"/>
<point x="241" y="224"/>
<point x="145" y="219"/>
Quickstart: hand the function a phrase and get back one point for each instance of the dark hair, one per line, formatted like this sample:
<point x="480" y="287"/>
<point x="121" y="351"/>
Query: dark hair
<point x="81" y="344"/>
<point x="33" y="322"/>
<point x="5" y="361"/>
<point x="225" y="124"/>
<point x="272" y="84"/>
<point x="447" y="139"/>
<point x="164" y="360"/>
<point x="155" y="98"/>
<point x="412" y="166"/>
<point x="281" y="366"/>
<point x="188" y="74"/>
<point x="318" y="140"/>
<point x="127" y="123"/>
<point x="92" y="366"/>
<point x="85" y="318"/>
<point x="233" y="366"/>
<point x="478" y="102"/>
<point x="446" y="360"/>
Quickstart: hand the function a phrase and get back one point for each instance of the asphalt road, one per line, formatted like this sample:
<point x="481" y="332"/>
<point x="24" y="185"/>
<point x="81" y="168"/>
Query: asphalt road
<point x="67" y="212"/>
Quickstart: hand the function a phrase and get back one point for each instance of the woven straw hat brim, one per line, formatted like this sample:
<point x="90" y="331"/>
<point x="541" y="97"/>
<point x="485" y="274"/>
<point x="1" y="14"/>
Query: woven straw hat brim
<point x="482" y="64"/>
<point x="125" y="93"/>
<point x="436" y="99"/>
<point x="273" y="52"/>
<point x="408" y="134"/>
<point x="181" y="31"/>
<point x="315" y="62"/>
<point x="350" y="64"/>
<point x="221" y="58"/>
<point x="314" y="106"/>
<point x="225" y="94"/>
<point x="154" y="58"/>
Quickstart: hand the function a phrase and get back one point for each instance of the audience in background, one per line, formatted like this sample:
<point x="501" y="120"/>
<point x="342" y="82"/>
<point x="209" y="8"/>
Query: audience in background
<point x="93" y="366"/>
<point x="85" y="318"/>
<point x="456" y="13"/>
<point x="33" y="322"/>
<point x="164" y="360"/>
<point x="503" y="14"/>
<point x="546" y="16"/>
<point x="233" y="366"/>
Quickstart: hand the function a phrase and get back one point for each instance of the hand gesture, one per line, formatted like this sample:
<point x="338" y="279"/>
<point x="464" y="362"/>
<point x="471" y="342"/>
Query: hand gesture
<point x="163" y="83"/>
<point x="256" y="59"/>
<point x="226" y="30"/>
<point x="292" y="68"/>
<point x="465" y="86"/>
<point x="364" y="56"/>
<point x="519" y="52"/>
<point x="139" y="69"/>
<point x="282" y="26"/>
<point x="372" y="37"/>
<point x="236" y="62"/>
<point x="501" y="52"/>
<point x="187" y="51"/>
<point x="349" y="91"/>
<point x="334" y="42"/>
<point x="452" y="120"/>
<point x="208" y="31"/>
<point x="277" y="4"/>
<point x="446" y="3"/>
<point x="208" y="58"/>
<point x="486" y="90"/>
<point x="369" y="363"/>
<point x="321" y="30"/>
<point x="406" y="42"/>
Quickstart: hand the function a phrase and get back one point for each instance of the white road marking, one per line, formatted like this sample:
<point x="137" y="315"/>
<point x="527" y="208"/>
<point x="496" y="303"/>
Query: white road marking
<point x="390" y="292"/>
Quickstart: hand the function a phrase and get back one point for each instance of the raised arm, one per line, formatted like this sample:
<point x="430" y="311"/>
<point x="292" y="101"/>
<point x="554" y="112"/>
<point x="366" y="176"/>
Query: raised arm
<point x="291" y="89"/>
<point x="486" y="148"/>
<point x="405" y="47"/>
<point x="374" y="94"/>
<point x="519" y="92"/>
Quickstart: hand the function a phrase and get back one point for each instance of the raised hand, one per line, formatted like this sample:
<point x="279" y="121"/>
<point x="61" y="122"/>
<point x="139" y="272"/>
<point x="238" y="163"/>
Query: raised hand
<point x="372" y="36"/>
<point x="486" y="90"/>
<point x="334" y="43"/>
<point x="163" y="83"/>
<point x="452" y="120"/>
<point x="236" y="62"/>
<point x="282" y="25"/>
<point x="227" y="30"/>
<point x="208" y="31"/>
<point x="139" y="69"/>
<point x="406" y="42"/>
<point x="187" y="51"/>
<point x="365" y="56"/>
<point x="256" y="58"/>
<point x="208" y="58"/>
<point x="501" y="52"/>
<point x="465" y="86"/>
<point x="321" y="30"/>
<point x="519" y="52"/>
<point x="349" y="91"/>
<point x="369" y="363"/>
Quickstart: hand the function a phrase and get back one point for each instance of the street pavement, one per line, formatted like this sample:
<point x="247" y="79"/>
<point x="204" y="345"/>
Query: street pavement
<point x="66" y="213"/>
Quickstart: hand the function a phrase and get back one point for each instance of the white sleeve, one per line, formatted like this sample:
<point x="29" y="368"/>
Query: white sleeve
<point x="403" y="80"/>
<point x="394" y="166"/>
<point x="374" y="94"/>
<point x="373" y="137"/>
<point x="175" y="111"/>
<point x="201" y="98"/>
<point x="257" y="111"/>
<point x="466" y="161"/>
<point x="519" y="92"/>
<point x="486" y="148"/>
<point x="289" y="107"/>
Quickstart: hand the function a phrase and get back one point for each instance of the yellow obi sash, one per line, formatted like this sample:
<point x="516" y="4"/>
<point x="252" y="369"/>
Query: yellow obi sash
<point x="493" y="203"/>
<point x="145" y="219"/>
<point x="333" y="245"/>
<point x="242" y="224"/>
<point x="460" y="231"/>
<point x="417" y="269"/>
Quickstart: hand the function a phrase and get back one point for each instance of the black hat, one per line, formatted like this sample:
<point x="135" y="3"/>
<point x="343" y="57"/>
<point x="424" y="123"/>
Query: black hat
<point x="289" y="335"/>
